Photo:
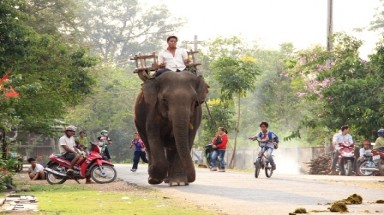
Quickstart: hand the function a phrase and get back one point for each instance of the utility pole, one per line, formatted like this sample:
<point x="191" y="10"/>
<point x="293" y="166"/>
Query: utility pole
<point x="329" y="25"/>
<point x="195" y="42"/>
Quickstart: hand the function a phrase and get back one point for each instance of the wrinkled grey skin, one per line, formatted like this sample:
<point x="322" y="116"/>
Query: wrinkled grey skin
<point x="167" y="116"/>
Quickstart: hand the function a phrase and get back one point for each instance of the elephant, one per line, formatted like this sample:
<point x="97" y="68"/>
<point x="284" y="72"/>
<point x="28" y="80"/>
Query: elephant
<point x="167" y="115"/>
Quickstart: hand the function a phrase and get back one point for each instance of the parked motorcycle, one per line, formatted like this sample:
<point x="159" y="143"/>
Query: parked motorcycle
<point x="346" y="158"/>
<point x="93" y="165"/>
<point x="373" y="163"/>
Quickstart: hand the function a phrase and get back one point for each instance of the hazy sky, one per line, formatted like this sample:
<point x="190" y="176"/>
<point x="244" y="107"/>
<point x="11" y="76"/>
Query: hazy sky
<point x="272" y="22"/>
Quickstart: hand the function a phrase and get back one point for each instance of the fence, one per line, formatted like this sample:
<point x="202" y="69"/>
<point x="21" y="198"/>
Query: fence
<point x="288" y="160"/>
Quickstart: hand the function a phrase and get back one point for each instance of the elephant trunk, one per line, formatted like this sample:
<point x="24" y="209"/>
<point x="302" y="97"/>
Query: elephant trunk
<point x="181" y="126"/>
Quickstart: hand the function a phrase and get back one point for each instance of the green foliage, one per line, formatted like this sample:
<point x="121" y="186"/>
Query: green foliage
<point x="378" y="23"/>
<point x="48" y="73"/>
<point x="343" y="88"/>
<point x="220" y="115"/>
<point x="236" y="76"/>
<point x="53" y="17"/>
<point x="109" y="107"/>
<point x="6" y="172"/>
<point x="117" y="29"/>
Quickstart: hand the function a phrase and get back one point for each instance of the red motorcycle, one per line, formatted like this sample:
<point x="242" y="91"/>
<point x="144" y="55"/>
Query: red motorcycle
<point x="373" y="163"/>
<point x="93" y="165"/>
<point x="346" y="158"/>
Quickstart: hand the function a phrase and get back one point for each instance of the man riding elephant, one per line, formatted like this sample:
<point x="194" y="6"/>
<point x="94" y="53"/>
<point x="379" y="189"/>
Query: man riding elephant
<point x="172" y="58"/>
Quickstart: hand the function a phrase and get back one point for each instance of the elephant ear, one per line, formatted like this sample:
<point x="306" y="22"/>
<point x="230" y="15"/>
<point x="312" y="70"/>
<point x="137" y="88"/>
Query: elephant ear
<point x="150" y="89"/>
<point x="201" y="89"/>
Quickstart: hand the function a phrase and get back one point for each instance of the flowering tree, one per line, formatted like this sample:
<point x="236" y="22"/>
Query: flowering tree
<point x="345" y="88"/>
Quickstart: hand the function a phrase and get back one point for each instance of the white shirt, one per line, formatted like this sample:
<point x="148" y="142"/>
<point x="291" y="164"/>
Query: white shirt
<point x="38" y="168"/>
<point x="176" y="62"/>
<point x="65" y="141"/>
<point x="340" y="138"/>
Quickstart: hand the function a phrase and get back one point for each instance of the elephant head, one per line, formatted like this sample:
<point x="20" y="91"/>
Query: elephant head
<point x="167" y="116"/>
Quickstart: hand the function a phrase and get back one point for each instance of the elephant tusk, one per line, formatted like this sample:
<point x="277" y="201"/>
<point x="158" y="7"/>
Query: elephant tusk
<point x="190" y="126"/>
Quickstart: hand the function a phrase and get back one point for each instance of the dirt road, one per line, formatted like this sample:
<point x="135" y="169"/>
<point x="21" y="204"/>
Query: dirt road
<point x="234" y="192"/>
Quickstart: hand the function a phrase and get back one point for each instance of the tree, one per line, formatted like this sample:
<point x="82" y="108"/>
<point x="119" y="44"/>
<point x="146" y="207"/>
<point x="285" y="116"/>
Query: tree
<point x="342" y="85"/>
<point x="378" y="23"/>
<point x="53" y="17"/>
<point x="117" y="29"/>
<point x="236" y="76"/>
<point x="110" y="107"/>
<point x="49" y="74"/>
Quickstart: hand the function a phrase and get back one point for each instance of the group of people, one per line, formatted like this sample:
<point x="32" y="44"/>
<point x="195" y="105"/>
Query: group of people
<point x="343" y="136"/>
<point x="268" y="141"/>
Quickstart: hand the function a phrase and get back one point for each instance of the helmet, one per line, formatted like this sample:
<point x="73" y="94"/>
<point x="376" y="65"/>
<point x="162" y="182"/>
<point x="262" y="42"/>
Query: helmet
<point x="380" y="132"/>
<point x="70" y="128"/>
<point x="103" y="132"/>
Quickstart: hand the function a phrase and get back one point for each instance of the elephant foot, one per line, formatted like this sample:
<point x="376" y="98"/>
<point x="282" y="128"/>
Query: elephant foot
<point x="178" y="181"/>
<point x="154" y="181"/>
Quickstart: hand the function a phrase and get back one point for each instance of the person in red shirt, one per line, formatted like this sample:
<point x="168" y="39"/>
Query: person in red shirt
<point x="219" y="146"/>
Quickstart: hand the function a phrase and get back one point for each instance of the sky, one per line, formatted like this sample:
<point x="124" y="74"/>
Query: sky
<point x="270" y="23"/>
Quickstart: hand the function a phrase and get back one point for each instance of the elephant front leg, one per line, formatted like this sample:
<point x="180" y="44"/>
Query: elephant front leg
<point x="157" y="166"/>
<point x="177" y="174"/>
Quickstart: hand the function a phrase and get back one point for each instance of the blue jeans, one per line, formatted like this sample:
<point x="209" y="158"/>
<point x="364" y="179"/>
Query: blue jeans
<point x="136" y="158"/>
<point x="268" y="152"/>
<point x="220" y="154"/>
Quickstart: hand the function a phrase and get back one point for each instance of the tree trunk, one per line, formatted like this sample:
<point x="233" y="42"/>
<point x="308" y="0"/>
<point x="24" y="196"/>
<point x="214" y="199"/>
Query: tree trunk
<point x="233" y="159"/>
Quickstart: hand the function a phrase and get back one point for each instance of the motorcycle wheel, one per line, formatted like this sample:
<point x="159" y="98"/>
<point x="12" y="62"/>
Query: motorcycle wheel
<point x="348" y="167"/>
<point x="257" y="168"/>
<point x="53" y="179"/>
<point x="364" y="172"/>
<point x="103" y="174"/>
<point x="268" y="170"/>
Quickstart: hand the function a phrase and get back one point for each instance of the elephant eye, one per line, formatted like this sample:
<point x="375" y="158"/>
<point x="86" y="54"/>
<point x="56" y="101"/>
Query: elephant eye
<point x="165" y="101"/>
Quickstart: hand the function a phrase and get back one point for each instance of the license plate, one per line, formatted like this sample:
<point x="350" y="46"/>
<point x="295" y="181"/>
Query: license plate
<point x="376" y="157"/>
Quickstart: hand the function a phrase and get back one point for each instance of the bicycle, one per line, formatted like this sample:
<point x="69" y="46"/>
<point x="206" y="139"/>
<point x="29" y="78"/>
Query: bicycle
<point x="263" y="159"/>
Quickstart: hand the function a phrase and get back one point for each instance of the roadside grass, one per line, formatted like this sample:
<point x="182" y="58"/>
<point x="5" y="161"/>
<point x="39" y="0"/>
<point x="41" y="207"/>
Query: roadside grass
<point x="117" y="198"/>
<point x="78" y="199"/>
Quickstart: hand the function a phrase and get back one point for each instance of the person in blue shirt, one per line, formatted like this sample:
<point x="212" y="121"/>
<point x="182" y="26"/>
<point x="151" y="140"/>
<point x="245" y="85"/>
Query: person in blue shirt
<point x="268" y="141"/>
<point x="139" y="151"/>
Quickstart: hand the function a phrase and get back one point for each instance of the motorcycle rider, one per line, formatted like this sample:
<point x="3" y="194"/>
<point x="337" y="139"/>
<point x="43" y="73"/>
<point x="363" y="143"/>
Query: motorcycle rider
<point x="366" y="147"/>
<point x="265" y="138"/>
<point x="342" y="137"/>
<point x="380" y="140"/>
<point x="67" y="147"/>
<point x="105" y="140"/>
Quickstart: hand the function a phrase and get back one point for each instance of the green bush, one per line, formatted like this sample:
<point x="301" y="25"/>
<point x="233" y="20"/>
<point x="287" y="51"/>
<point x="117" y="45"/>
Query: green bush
<point x="7" y="170"/>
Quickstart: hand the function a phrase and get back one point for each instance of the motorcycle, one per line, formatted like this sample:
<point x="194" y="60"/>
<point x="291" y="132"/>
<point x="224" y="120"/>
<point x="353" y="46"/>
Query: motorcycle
<point x="92" y="165"/>
<point x="263" y="160"/>
<point x="373" y="163"/>
<point x="346" y="158"/>
<point x="208" y="150"/>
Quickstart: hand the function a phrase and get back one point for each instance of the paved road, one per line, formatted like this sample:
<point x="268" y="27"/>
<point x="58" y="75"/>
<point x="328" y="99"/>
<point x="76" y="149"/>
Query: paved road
<point x="234" y="192"/>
